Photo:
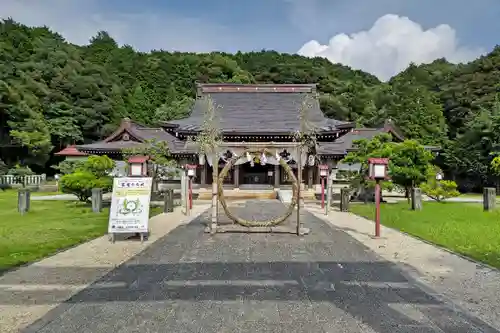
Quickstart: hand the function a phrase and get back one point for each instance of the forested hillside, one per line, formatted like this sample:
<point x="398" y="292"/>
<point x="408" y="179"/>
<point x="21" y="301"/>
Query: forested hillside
<point x="53" y="93"/>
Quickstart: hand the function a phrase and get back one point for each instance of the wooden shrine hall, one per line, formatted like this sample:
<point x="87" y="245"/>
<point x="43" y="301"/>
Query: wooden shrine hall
<point x="248" y="113"/>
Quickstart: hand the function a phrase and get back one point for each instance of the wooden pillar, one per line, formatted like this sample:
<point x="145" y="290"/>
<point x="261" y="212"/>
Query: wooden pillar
<point x="203" y="175"/>
<point x="236" y="176"/>
<point x="489" y="199"/>
<point x="96" y="200"/>
<point x="277" y="176"/>
<point x="329" y="194"/>
<point x="214" y="215"/>
<point x="416" y="198"/>
<point x="310" y="175"/>
<point x="318" y="178"/>
<point x="344" y="199"/>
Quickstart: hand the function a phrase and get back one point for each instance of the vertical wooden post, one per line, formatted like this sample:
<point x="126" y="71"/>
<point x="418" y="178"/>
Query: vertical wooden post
<point x="299" y="192"/>
<point x="203" y="175"/>
<point x="377" y="208"/>
<point x="344" y="199"/>
<point x="416" y="198"/>
<point x="322" y="192"/>
<point x="277" y="176"/>
<point x="236" y="180"/>
<point x="329" y="194"/>
<point x="23" y="201"/>
<point x="168" y="206"/>
<point x="215" y="176"/>
<point x="489" y="199"/>
<point x="310" y="174"/>
<point x="97" y="200"/>
<point x="184" y="192"/>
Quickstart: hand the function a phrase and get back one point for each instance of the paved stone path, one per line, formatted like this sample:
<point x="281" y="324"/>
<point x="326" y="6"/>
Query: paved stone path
<point x="190" y="281"/>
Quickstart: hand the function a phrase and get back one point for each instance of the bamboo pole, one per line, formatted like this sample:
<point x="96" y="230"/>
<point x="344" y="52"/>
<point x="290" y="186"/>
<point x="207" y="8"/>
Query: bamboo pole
<point x="215" y="169"/>
<point x="299" y="194"/>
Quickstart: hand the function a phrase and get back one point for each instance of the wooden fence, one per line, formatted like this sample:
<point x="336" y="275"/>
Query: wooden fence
<point x="33" y="180"/>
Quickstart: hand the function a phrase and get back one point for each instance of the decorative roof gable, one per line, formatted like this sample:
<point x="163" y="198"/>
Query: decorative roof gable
<point x="130" y="135"/>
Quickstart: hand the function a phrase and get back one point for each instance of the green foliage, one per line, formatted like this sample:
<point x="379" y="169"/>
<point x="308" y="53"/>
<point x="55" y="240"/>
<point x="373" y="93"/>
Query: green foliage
<point x="20" y="171"/>
<point x="81" y="183"/>
<point x="380" y="146"/>
<point x="3" y="168"/>
<point x="92" y="173"/>
<point x="495" y="165"/>
<point x="99" y="166"/>
<point x="409" y="163"/>
<point x="159" y="155"/>
<point x="440" y="190"/>
<point x="53" y="93"/>
<point x="69" y="166"/>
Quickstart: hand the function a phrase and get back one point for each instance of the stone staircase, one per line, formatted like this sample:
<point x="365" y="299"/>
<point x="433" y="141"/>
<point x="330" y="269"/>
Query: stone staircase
<point x="238" y="194"/>
<point x="284" y="195"/>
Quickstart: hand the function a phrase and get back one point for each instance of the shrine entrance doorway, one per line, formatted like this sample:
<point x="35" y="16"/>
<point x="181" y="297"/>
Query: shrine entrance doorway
<point x="257" y="174"/>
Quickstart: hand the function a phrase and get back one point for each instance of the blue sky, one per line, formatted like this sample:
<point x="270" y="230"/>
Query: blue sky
<point x="284" y="25"/>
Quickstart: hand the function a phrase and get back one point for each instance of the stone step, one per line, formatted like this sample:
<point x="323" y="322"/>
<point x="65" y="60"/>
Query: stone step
<point x="240" y="194"/>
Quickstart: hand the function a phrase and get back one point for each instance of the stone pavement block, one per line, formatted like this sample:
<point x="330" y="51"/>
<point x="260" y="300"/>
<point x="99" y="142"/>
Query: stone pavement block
<point x="441" y="274"/>
<point x="30" y="292"/>
<point x="323" y="282"/>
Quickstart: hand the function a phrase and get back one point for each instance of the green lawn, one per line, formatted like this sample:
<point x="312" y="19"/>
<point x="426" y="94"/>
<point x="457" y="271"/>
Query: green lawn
<point x="49" y="227"/>
<point x="460" y="227"/>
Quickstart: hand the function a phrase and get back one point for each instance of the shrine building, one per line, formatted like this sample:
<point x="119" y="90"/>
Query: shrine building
<point x="248" y="113"/>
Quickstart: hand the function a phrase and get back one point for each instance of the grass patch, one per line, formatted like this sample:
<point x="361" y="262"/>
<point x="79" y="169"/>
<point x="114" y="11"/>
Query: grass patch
<point x="460" y="227"/>
<point x="50" y="226"/>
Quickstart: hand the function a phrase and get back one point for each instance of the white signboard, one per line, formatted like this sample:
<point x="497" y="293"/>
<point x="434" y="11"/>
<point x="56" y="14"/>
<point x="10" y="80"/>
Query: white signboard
<point x="129" y="211"/>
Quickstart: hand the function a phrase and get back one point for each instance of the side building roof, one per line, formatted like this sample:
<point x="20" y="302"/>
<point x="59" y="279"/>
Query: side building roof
<point x="131" y="135"/>
<point x="344" y="144"/>
<point x="257" y="109"/>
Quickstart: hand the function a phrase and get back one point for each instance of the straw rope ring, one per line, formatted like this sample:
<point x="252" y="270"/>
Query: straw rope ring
<point x="251" y="223"/>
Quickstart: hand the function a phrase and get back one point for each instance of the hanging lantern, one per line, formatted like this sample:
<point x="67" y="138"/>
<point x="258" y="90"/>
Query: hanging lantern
<point x="201" y="159"/>
<point x="311" y="160"/>
<point x="249" y="157"/>
<point x="263" y="159"/>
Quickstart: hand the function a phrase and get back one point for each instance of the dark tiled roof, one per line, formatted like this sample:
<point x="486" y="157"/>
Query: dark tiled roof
<point x="138" y="135"/>
<point x="257" y="109"/>
<point x="344" y="143"/>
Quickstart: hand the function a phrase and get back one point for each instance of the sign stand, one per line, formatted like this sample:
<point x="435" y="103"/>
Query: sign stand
<point x="129" y="212"/>
<point x="377" y="170"/>
<point x="323" y="173"/>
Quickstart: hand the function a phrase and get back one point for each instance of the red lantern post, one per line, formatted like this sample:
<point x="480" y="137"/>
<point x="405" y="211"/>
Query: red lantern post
<point x="323" y="173"/>
<point x="191" y="172"/>
<point x="378" y="170"/>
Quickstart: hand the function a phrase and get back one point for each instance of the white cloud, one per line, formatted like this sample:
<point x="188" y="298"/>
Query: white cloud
<point x="78" y="21"/>
<point x="390" y="45"/>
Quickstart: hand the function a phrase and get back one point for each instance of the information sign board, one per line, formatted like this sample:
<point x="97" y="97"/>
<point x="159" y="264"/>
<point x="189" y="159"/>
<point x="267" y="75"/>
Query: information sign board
<point x="129" y="212"/>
